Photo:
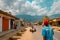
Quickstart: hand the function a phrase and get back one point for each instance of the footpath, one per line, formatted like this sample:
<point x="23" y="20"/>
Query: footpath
<point x="27" y="35"/>
<point x="56" y="28"/>
<point x="31" y="36"/>
<point x="5" y="35"/>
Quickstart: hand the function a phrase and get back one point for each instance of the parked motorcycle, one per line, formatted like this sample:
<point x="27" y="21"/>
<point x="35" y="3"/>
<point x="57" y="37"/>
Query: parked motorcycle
<point x="32" y="30"/>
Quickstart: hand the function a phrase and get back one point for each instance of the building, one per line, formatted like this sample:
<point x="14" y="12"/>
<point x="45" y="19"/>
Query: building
<point x="7" y="21"/>
<point x="55" y="21"/>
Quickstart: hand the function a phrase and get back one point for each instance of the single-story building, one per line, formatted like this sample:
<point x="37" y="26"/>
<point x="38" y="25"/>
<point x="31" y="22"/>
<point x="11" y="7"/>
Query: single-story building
<point x="55" y="21"/>
<point x="7" y="21"/>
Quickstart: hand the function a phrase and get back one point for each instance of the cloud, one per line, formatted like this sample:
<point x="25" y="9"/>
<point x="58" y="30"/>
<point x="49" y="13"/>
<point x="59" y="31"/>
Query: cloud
<point x="55" y="9"/>
<point x="33" y="7"/>
<point x="2" y="4"/>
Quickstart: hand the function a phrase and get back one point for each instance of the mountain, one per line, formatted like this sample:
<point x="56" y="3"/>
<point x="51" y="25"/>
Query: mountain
<point x="55" y="16"/>
<point x="35" y="18"/>
<point x="30" y="18"/>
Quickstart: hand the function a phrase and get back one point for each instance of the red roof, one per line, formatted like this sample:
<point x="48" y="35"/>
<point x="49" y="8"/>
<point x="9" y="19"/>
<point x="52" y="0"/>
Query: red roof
<point x="58" y="19"/>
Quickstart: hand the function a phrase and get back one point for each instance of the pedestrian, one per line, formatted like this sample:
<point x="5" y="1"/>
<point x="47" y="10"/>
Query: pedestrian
<point x="15" y="26"/>
<point x="47" y="31"/>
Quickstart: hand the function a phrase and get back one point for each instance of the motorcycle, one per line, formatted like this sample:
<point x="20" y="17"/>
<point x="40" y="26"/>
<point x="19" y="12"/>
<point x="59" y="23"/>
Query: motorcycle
<point x="33" y="30"/>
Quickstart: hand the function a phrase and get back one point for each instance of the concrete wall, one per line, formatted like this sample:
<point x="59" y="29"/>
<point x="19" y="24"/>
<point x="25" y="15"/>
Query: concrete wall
<point x="0" y="24"/>
<point x="17" y="23"/>
<point x="9" y="24"/>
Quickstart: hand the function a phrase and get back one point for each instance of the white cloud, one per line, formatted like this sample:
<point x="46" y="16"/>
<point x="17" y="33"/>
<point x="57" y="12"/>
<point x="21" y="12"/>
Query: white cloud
<point x="19" y="0"/>
<point x="33" y="3"/>
<point x="24" y="6"/>
<point x="27" y="4"/>
<point x="33" y="9"/>
<point x="55" y="8"/>
<point x="31" y="13"/>
<point x="17" y="11"/>
<point x="42" y="11"/>
<point x="2" y="4"/>
<point x="15" y="3"/>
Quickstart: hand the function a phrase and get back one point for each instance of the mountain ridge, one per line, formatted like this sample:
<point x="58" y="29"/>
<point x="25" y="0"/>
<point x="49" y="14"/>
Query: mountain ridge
<point x="30" y="18"/>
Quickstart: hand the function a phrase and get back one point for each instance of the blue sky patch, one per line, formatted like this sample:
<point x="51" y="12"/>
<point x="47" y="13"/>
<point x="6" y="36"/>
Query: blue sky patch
<point x="30" y="1"/>
<point x="47" y="3"/>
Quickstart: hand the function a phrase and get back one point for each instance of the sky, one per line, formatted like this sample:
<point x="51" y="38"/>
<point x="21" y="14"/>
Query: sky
<point x="31" y="7"/>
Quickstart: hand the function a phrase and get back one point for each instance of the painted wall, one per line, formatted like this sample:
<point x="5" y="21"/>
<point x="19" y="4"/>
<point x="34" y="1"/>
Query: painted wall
<point x="9" y="24"/>
<point x="0" y="24"/>
<point x="5" y="24"/>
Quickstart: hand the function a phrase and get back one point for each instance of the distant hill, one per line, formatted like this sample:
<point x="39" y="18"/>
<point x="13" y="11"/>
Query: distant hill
<point x="30" y="18"/>
<point x="55" y="16"/>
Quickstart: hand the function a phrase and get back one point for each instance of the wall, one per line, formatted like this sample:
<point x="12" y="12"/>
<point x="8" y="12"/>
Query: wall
<point x="0" y="24"/>
<point x="5" y="24"/>
<point x="9" y="24"/>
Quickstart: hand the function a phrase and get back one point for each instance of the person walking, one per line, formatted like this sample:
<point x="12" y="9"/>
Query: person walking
<point x="47" y="31"/>
<point x="15" y="26"/>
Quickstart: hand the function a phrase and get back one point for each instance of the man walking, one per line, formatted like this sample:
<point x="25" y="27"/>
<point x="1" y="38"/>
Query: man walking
<point x="47" y="31"/>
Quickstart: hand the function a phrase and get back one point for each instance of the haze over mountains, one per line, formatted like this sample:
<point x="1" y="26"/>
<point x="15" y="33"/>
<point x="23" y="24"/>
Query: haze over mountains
<point x="35" y="18"/>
